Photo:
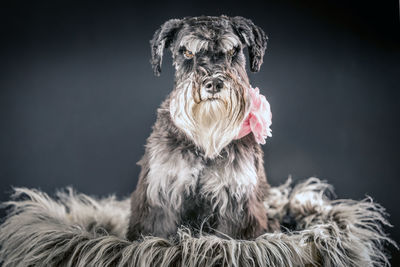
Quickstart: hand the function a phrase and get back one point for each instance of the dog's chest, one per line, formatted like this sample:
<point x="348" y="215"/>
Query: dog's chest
<point x="236" y="178"/>
<point x="197" y="213"/>
<point x="174" y="179"/>
<point x="220" y="191"/>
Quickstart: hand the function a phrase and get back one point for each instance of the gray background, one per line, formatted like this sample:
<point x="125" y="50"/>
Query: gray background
<point x="78" y="97"/>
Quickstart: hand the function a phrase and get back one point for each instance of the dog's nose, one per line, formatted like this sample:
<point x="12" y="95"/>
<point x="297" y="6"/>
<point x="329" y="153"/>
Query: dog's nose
<point x="214" y="86"/>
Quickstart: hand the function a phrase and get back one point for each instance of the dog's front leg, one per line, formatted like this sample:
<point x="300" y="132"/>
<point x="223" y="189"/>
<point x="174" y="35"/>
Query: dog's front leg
<point x="147" y="219"/>
<point x="156" y="204"/>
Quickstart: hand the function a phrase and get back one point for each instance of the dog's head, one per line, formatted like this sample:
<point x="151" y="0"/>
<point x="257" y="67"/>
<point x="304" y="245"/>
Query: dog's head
<point x="210" y="99"/>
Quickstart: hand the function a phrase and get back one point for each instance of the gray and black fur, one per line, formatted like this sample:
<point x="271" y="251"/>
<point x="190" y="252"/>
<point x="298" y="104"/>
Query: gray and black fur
<point x="78" y="230"/>
<point x="194" y="171"/>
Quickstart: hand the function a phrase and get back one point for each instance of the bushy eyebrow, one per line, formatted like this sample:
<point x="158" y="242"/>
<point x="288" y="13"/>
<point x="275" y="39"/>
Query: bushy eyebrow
<point x="193" y="43"/>
<point x="229" y="42"/>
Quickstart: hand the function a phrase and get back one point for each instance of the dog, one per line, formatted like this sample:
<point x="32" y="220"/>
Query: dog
<point x="199" y="171"/>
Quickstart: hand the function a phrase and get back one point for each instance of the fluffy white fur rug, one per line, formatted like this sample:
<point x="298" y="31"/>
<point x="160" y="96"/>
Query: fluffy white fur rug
<point x="78" y="230"/>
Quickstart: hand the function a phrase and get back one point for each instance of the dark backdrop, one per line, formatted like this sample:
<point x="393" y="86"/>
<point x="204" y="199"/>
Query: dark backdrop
<point x="78" y="97"/>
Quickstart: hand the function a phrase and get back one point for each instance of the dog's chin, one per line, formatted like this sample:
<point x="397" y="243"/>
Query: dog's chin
<point x="212" y="99"/>
<point x="213" y="106"/>
<point x="215" y="127"/>
<point x="210" y="121"/>
<point x="210" y="112"/>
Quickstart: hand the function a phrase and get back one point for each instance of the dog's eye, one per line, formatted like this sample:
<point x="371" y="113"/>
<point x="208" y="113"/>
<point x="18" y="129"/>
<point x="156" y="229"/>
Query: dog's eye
<point x="232" y="52"/>
<point x="188" y="54"/>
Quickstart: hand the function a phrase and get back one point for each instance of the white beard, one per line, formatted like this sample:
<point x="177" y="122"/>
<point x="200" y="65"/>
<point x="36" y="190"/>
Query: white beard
<point x="211" y="124"/>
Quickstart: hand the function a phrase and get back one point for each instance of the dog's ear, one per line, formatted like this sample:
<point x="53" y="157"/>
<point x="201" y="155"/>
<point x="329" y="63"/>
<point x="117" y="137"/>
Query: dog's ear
<point x="254" y="38"/>
<point x="162" y="39"/>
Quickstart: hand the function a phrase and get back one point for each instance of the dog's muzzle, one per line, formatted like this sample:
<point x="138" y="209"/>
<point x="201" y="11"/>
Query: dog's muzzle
<point x="211" y="88"/>
<point x="213" y="85"/>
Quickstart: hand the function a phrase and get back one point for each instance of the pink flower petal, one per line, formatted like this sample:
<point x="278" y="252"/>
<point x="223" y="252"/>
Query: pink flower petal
<point x="259" y="119"/>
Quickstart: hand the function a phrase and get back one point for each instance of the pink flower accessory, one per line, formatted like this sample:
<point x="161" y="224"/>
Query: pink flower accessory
<point x="259" y="119"/>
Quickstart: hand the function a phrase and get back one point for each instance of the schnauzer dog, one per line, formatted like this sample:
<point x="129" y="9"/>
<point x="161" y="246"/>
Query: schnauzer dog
<point x="196" y="172"/>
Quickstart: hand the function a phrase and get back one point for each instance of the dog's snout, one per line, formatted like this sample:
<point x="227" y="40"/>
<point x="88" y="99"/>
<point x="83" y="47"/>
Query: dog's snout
<point x="214" y="86"/>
